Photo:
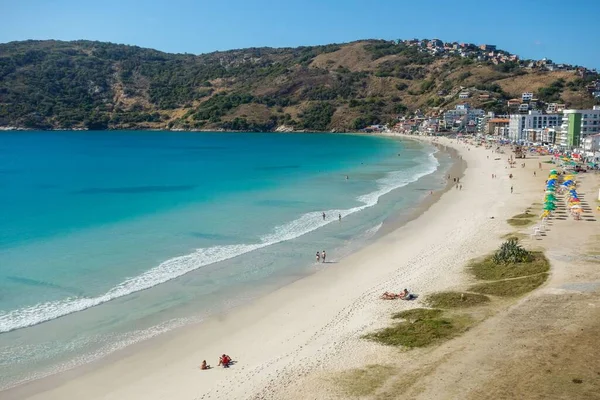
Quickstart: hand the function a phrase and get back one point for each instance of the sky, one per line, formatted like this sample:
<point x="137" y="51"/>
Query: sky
<point x="563" y="31"/>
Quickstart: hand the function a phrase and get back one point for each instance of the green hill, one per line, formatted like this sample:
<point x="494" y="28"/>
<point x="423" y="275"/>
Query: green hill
<point x="94" y="85"/>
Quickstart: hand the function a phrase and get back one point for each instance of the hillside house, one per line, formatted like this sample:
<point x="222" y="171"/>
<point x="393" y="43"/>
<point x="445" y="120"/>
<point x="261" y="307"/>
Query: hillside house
<point x="555" y="108"/>
<point x="513" y="103"/>
<point x="523" y="108"/>
<point x="464" y="95"/>
<point x="527" y="96"/>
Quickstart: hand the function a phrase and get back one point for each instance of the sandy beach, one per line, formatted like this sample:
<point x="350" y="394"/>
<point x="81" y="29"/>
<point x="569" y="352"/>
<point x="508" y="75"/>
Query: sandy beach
<point x="288" y="344"/>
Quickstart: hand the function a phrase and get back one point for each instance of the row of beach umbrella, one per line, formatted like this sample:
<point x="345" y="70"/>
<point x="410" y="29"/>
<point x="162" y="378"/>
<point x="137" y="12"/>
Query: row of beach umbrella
<point x="550" y="194"/>
<point x="573" y="201"/>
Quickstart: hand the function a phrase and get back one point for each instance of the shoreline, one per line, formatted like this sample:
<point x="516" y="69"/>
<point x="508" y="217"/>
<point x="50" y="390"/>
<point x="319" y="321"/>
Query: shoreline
<point x="53" y="380"/>
<point x="457" y="169"/>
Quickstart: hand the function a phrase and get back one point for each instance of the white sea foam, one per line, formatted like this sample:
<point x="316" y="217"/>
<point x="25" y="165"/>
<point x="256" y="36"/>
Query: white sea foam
<point x="179" y="266"/>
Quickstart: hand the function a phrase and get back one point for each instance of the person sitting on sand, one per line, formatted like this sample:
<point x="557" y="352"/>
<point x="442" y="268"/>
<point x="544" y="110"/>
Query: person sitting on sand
<point x="225" y="361"/>
<point x="204" y="365"/>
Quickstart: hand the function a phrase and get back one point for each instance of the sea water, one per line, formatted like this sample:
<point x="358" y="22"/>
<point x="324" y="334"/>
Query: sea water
<point x="108" y="238"/>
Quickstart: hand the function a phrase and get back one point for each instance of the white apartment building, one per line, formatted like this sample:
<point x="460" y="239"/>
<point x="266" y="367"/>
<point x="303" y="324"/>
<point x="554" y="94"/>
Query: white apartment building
<point x="527" y="96"/>
<point x="540" y="135"/>
<point x="519" y="123"/>
<point x="591" y="145"/>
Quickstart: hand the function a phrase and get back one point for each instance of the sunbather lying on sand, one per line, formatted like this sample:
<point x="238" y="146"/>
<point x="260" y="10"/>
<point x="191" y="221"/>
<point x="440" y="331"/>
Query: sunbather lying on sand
<point x="404" y="295"/>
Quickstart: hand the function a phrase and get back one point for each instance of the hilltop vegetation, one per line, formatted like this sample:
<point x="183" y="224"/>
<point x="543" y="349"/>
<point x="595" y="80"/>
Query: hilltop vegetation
<point x="94" y="85"/>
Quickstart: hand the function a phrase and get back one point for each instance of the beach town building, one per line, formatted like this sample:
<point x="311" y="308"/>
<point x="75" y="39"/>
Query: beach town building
<point x="494" y="124"/>
<point x="534" y="119"/>
<point x="488" y="47"/>
<point x="513" y="103"/>
<point x="527" y="96"/>
<point x="523" y="107"/>
<point x="501" y="131"/>
<point x="540" y="136"/>
<point x="578" y="124"/>
<point x="461" y="117"/>
<point x="555" y="108"/>
<point x="591" y="144"/>
<point x="464" y="94"/>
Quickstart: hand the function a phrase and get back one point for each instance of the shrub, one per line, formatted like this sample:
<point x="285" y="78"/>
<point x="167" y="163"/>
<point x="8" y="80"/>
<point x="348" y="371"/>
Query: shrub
<point x="511" y="252"/>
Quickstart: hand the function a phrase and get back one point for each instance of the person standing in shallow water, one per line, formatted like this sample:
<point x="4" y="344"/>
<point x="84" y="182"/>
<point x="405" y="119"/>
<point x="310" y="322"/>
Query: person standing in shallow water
<point x="318" y="257"/>
<point x="323" y="256"/>
<point x="323" y="216"/>
<point x="340" y="217"/>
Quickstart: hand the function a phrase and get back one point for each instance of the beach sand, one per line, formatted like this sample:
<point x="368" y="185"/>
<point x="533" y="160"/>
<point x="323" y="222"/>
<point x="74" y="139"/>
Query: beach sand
<point x="291" y="343"/>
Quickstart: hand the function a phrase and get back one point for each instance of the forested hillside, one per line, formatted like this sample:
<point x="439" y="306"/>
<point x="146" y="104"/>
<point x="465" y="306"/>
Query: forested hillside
<point x="94" y="85"/>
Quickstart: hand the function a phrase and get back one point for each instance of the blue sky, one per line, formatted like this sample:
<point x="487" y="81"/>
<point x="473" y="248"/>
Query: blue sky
<point x="560" y="30"/>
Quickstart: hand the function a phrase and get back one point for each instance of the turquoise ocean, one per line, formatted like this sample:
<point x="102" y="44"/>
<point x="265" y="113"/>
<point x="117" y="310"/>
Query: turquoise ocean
<point x="109" y="238"/>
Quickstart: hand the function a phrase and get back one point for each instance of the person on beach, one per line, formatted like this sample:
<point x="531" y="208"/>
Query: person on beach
<point x="511" y="189"/>
<point x="318" y="256"/>
<point x="340" y="217"/>
<point x="534" y="173"/>
<point x="323" y="216"/>
<point x="204" y="365"/>
<point x="225" y="361"/>
<point x="460" y="187"/>
<point x="323" y="256"/>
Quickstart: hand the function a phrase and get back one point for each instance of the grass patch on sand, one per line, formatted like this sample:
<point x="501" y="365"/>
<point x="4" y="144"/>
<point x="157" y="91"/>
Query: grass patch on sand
<point x="511" y="287"/>
<point x="418" y="313"/>
<point x="456" y="300"/>
<point x="364" y="381"/>
<point x="526" y="214"/>
<point x="514" y="235"/>
<point x="486" y="269"/>
<point x="519" y="221"/>
<point x="421" y="328"/>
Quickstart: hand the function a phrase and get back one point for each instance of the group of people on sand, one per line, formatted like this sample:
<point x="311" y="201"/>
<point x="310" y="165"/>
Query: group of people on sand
<point x="321" y="256"/>
<point x="224" y="361"/>
<point x="404" y="295"/>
